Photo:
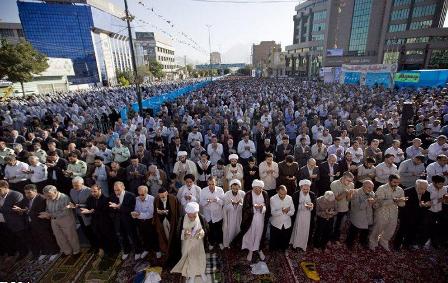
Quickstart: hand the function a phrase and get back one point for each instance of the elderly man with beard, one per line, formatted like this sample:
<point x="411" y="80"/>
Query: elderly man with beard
<point x="155" y="179"/>
<point x="303" y="217"/>
<point x="387" y="200"/>
<point x="167" y="210"/>
<point x="97" y="206"/>
<point x="361" y="214"/>
<point x="188" y="192"/>
<point x="412" y="230"/>
<point x="232" y="216"/>
<point x="193" y="235"/>
<point x="269" y="174"/>
<point x="326" y="209"/>
<point x="79" y="195"/>
<point x="184" y="167"/>
<point x="234" y="170"/>
<point x="256" y="212"/>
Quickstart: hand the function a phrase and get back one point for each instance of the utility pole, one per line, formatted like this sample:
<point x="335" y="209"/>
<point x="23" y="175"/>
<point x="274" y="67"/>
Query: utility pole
<point x="134" y="63"/>
<point x="210" y="54"/>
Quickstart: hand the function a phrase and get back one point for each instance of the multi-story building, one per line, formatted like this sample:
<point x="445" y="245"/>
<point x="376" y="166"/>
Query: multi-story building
<point x="260" y="53"/>
<point x="276" y="66"/>
<point x="329" y="33"/>
<point x="215" y="58"/>
<point x="157" y="48"/>
<point x="12" y="32"/>
<point x="91" y="33"/>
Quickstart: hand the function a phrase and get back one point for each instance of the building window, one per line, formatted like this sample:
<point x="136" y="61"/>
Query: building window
<point x="414" y="52"/>
<point x="391" y="57"/>
<point x="422" y="11"/>
<point x="397" y="28"/>
<point x="402" y="2"/>
<point x="320" y="15"/>
<point x="319" y="27"/>
<point x="421" y="24"/>
<point x="417" y="39"/>
<point x="360" y="26"/>
<point x="6" y="33"/>
<point x="399" y="14"/>
<point x="317" y="37"/>
<point x="439" y="59"/>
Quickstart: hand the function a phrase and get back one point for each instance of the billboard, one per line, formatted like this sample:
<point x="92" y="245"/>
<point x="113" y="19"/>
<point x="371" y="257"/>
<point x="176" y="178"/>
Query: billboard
<point x="335" y="52"/>
<point x="407" y="77"/>
<point x="58" y="67"/>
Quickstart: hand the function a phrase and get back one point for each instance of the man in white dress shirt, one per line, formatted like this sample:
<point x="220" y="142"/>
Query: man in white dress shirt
<point x="437" y="222"/>
<point x="439" y="167"/>
<point x="142" y="214"/>
<point x="282" y="208"/>
<point x="396" y="151"/>
<point x="212" y="199"/>
<point x="37" y="173"/>
<point x="269" y="173"/>
<point x="437" y="148"/>
<point x="16" y="173"/>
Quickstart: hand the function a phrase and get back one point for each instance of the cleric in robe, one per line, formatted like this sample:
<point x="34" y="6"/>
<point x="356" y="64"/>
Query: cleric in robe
<point x="256" y="213"/>
<point x="233" y="210"/>
<point x="303" y="218"/>
<point x="192" y="233"/>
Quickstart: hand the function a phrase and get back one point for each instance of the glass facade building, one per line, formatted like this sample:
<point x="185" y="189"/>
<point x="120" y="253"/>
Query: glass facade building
<point x="96" y="41"/>
<point x="360" y="26"/>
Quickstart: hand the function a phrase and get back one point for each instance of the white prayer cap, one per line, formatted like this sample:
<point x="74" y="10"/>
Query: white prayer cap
<point x="258" y="183"/>
<point x="233" y="156"/>
<point x="239" y="121"/>
<point x="192" y="207"/>
<point x="182" y="153"/>
<point x="329" y="195"/>
<point x="304" y="182"/>
<point x="235" y="182"/>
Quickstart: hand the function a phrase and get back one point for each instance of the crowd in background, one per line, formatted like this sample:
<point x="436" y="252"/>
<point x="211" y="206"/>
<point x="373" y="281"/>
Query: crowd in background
<point x="319" y="163"/>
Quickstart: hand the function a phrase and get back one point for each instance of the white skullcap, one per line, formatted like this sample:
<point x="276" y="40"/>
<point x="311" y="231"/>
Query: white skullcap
<point x="304" y="182"/>
<point x="192" y="207"/>
<point x="329" y="195"/>
<point x="182" y="153"/>
<point x="233" y="156"/>
<point x="258" y="183"/>
<point x="235" y="181"/>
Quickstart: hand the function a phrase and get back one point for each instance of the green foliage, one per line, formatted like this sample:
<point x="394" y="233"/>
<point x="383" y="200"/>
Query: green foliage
<point x="20" y="62"/>
<point x="226" y="71"/>
<point x="246" y="71"/>
<point x="156" y="69"/>
<point x="123" y="81"/>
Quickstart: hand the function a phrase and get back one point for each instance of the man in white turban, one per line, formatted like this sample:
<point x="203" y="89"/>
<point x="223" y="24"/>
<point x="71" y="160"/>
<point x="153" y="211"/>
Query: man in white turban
<point x="183" y="166"/>
<point x="304" y="202"/>
<point x="234" y="170"/>
<point x="193" y="230"/>
<point x="233" y="210"/>
<point x="256" y="212"/>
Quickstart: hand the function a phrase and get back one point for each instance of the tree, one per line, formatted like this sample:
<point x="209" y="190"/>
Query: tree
<point x="20" y="62"/>
<point x="124" y="78"/>
<point x="143" y="73"/>
<point x="246" y="71"/>
<point x="189" y="68"/>
<point x="156" y="69"/>
<point x="226" y="71"/>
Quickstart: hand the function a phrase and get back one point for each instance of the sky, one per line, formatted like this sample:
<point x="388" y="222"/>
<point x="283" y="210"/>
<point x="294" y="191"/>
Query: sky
<point x="234" y="26"/>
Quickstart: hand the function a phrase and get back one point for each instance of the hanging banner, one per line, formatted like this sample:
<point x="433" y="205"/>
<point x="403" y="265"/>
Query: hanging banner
<point x="352" y="78"/>
<point x="407" y="77"/>
<point x="374" y="68"/>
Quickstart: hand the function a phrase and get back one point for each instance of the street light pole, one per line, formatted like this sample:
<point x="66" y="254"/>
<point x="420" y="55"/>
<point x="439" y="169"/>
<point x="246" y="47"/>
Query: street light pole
<point x="134" y="63"/>
<point x="210" y="54"/>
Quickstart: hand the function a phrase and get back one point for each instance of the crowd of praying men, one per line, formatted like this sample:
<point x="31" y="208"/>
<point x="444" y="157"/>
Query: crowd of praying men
<point x="333" y="163"/>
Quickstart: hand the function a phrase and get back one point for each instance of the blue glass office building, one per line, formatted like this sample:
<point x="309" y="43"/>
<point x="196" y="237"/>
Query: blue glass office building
<point x="94" y="39"/>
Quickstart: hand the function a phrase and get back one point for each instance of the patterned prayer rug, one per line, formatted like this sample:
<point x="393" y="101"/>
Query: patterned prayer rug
<point x="26" y="270"/>
<point x="101" y="269"/>
<point x="363" y="265"/>
<point x="68" y="269"/>
<point x="236" y="268"/>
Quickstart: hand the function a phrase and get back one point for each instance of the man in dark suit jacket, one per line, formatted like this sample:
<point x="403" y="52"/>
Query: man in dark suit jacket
<point x="302" y="152"/>
<point x="12" y="234"/>
<point x="39" y="234"/>
<point x="328" y="172"/>
<point x="122" y="203"/>
<point x="413" y="229"/>
<point x="304" y="173"/>
<point x="56" y="177"/>
<point x="283" y="149"/>
<point x="135" y="174"/>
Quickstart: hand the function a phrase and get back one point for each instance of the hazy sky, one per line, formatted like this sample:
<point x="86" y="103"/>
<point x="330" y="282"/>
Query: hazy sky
<point x="234" y="26"/>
